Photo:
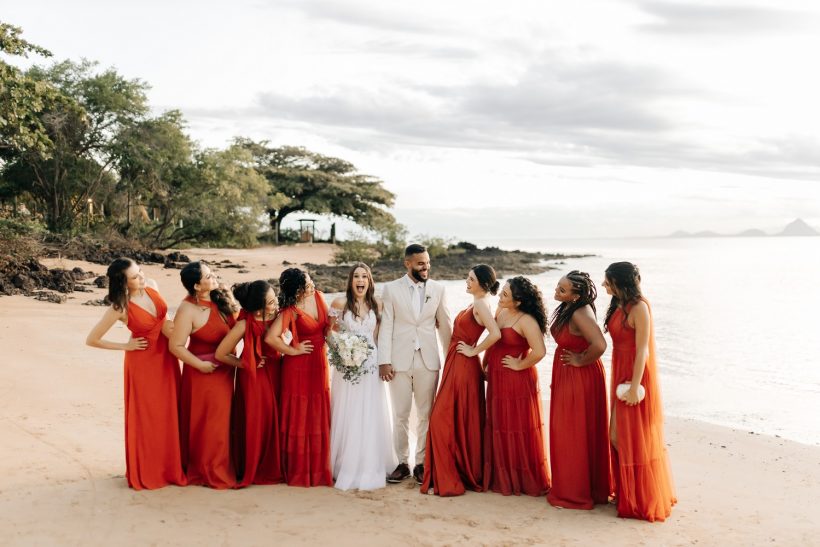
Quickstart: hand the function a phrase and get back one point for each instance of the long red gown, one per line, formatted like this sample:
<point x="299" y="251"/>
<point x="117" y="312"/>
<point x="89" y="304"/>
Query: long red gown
<point x="256" y="416"/>
<point x="514" y="451"/>
<point x="454" y="456"/>
<point x="643" y="481"/>
<point x="579" y="429"/>
<point x="152" y="448"/>
<point x="305" y="408"/>
<point x="205" y="409"/>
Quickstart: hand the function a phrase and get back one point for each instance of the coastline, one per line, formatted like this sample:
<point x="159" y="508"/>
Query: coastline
<point x="62" y="465"/>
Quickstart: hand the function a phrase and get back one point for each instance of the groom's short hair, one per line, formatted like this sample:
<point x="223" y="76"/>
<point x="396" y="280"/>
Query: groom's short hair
<point x="414" y="249"/>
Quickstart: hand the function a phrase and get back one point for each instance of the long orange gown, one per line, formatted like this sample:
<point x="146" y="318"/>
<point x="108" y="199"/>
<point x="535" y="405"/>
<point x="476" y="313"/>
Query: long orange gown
<point x="643" y="481"/>
<point x="305" y="408"/>
<point x="205" y="409"/>
<point x="152" y="448"/>
<point x="454" y="458"/>
<point x="256" y="416"/>
<point x="514" y="451"/>
<point x="579" y="429"/>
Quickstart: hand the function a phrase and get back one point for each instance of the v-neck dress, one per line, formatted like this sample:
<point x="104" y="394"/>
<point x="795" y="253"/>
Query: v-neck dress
<point x="152" y="378"/>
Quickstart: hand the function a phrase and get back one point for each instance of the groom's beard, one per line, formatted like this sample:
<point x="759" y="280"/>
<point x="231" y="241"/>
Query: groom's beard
<point x="417" y="276"/>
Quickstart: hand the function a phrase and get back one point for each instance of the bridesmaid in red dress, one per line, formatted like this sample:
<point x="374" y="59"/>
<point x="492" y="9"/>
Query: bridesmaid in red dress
<point x="152" y="450"/>
<point x="454" y="456"/>
<point x="640" y="464"/>
<point x="514" y="451"/>
<point x="205" y="316"/>
<point x="305" y="409"/>
<point x="256" y="409"/>
<point x="579" y="440"/>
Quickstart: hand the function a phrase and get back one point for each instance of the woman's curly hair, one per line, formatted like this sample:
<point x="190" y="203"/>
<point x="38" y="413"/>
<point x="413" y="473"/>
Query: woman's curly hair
<point x="530" y="300"/>
<point x="292" y="285"/>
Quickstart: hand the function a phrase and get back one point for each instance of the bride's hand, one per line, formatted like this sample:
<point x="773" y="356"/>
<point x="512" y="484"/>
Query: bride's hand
<point x="466" y="349"/>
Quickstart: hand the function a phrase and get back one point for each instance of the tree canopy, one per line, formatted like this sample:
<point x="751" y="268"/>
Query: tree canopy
<point x="301" y="180"/>
<point x="77" y="139"/>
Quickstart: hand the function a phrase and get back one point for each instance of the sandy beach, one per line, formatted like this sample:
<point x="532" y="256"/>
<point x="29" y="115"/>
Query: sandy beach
<point x="62" y="463"/>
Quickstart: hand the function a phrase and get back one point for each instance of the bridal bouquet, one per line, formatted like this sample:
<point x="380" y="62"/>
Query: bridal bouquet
<point x="348" y="352"/>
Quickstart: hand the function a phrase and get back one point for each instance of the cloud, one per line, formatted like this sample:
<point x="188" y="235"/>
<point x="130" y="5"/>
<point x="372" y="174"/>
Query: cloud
<point x="383" y="17"/>
<point x="718" y="18"/>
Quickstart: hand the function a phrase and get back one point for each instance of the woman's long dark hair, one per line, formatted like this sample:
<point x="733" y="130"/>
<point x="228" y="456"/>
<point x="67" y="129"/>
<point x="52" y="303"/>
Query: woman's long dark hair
<point x="118" y="284"/>
<point x="252" y="295"/>
<point x="369" y="295"/>
<point x="583" y="286"/>
<point x="530" y="300"/>
<point x="191" y="274"/>
<point x="624" y="280"/>
<point x="292" y="284"/>
<point x="486" y="278"/>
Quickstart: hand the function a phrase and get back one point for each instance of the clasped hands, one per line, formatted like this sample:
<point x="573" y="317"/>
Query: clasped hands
<point x="386" y="372"/>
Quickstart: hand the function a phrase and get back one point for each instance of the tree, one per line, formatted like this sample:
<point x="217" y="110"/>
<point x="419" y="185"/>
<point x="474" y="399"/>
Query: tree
<point x="150" y="154"/>
<point x="81" y="124"/>
<point x="301" y="180"/>
<point x="22" y="99"/>
<point x="218" y="198"/>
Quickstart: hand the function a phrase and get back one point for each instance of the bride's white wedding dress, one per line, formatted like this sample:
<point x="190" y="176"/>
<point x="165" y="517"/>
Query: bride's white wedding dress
<point x="361" y="447"/>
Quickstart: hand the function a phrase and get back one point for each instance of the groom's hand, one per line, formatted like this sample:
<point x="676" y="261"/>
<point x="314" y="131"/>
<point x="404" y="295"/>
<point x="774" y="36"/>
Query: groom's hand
<point x="386" y="372"/>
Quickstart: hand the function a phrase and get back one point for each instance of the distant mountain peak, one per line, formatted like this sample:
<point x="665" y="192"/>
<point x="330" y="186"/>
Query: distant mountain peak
<point x="798" y="227"/>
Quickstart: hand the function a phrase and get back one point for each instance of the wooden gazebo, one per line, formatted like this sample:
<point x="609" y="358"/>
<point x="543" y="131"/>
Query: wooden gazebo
<point x="307" y="230"/>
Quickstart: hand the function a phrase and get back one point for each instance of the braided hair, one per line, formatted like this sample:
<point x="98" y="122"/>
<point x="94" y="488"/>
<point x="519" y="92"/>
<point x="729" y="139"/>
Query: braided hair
<point x="292" y="285"/>
<point x="624" y="279"/>
<point x="583" y="286"/>
<point x="530" y="300"/>
<point x="191" y="274"/>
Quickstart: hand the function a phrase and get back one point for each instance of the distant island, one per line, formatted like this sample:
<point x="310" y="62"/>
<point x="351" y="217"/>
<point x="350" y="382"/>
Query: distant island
<point x="796" y="228"/>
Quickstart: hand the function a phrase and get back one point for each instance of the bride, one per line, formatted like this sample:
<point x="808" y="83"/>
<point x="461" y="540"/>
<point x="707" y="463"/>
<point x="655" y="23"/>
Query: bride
<point x="361" y="450"/>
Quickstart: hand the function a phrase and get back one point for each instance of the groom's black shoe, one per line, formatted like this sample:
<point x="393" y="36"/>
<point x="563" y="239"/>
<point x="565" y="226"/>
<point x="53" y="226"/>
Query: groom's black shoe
<point x="401" y="472"/>
<point x="418" y="473"/>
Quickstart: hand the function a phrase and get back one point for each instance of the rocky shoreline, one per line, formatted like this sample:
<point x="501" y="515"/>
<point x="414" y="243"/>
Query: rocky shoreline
<point x="330" y="278"/>
<point x="28" y="276"/>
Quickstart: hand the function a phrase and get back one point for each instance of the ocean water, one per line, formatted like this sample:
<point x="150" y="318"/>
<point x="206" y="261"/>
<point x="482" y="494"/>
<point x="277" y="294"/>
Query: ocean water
<point x="735" y="318"/>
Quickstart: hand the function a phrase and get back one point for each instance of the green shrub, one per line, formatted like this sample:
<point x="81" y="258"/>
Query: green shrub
<point x="355" y="250"/>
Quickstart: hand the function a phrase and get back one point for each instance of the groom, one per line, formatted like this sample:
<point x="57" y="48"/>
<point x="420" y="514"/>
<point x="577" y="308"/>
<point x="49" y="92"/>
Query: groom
<point x="414" y="307"/>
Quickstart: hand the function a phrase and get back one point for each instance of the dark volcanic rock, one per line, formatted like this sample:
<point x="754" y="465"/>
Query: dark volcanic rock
<point x="453" y="266"/>
<point x="61" y="280"/>
<point x="176" y="256"/>
<point x="97" y="302"/>
<point x="81" y="275"/>
<point x="102" y="282"/>
<point x="50" y="296"/>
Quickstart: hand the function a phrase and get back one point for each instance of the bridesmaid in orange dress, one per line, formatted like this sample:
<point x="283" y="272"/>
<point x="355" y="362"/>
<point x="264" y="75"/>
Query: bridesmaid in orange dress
<point x="579" y="440"/>
<point x="640" y="464"/>
<point x="454" y="456"/>
<point x="305" y="387"/>
<point x="205" y="316"/>
<point x="514" y="451"/>
<point x="256" y="409"/>
<point x="152" y="450"/>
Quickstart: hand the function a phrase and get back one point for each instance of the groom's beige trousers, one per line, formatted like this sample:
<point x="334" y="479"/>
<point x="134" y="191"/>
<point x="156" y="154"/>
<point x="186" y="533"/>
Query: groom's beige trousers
<point x="420" y="383"/>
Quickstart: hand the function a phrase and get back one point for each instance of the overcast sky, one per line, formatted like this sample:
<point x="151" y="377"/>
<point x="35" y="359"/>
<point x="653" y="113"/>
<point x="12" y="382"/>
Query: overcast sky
<point x="511" y="119"/>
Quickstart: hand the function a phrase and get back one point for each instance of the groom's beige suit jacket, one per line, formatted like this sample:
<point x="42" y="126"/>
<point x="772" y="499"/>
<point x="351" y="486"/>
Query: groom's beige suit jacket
<point x="401" y="326"/>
